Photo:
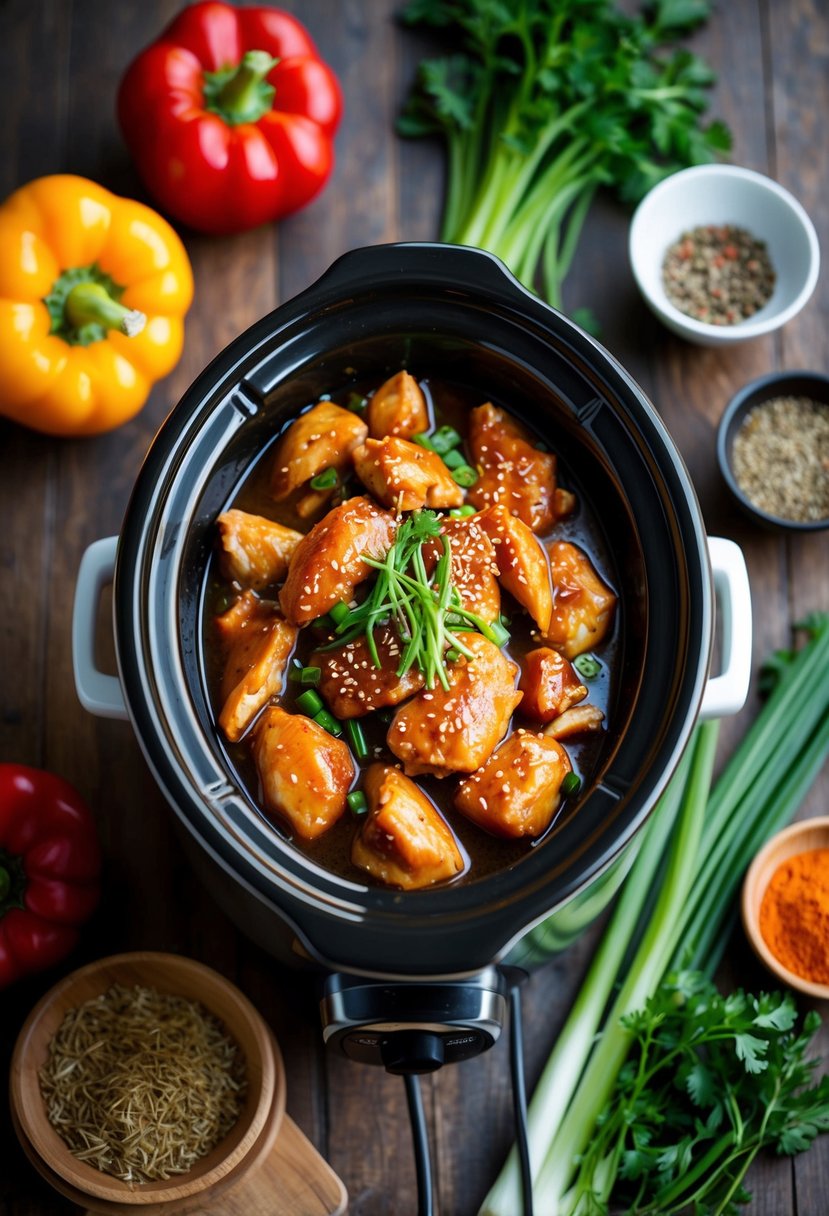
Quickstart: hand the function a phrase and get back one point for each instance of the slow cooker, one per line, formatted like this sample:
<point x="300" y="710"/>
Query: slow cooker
<point x="433" y="960"/>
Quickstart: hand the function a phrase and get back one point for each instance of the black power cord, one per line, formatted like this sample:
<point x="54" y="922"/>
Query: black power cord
<point x="420" y="1136"/>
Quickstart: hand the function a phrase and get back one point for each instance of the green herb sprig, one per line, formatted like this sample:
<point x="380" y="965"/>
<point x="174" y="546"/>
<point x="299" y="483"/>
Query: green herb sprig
<point x="541" y="102"/>
<point x="425" y="608"/>
<point x="709" y="1082"/>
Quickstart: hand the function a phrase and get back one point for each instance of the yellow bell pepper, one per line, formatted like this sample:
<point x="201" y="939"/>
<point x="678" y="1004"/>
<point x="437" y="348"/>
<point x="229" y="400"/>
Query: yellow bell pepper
<point x="93" y="292"/>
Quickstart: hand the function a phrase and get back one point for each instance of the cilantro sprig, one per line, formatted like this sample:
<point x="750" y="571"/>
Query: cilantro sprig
<point x="709" y="1081"/>
<point x="425" y="607"/>
<point x="541" y="102"/>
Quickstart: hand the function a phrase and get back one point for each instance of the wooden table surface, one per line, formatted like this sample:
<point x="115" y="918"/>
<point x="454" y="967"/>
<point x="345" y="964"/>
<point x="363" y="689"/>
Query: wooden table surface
<point x="60" y="61"/>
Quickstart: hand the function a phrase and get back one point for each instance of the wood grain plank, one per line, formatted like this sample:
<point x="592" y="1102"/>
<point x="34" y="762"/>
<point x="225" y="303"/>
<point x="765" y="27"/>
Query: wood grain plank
<point x="798" y="35"/>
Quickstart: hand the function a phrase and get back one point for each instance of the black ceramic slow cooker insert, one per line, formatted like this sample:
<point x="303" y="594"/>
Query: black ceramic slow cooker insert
<point x="455" y="314"/>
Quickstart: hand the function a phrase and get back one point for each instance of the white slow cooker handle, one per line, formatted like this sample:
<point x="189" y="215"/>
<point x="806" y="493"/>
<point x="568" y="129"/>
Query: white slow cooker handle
<point x="98" y="692"/>
<point x="725" y="694"/>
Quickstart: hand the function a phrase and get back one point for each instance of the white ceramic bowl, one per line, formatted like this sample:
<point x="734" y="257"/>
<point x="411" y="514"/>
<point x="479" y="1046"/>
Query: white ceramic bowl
<point x="725" y="194"/>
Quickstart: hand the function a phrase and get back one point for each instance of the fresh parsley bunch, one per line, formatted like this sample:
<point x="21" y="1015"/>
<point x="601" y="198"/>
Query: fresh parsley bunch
<point x="543" y="101"/>
<point x="709" y="1081"/>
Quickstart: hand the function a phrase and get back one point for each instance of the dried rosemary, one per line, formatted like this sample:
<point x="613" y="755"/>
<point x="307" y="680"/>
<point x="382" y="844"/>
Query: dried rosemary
<point x="780" y="458"/>
<point x="718" y="274"/>
<point x="141" y="1084"/>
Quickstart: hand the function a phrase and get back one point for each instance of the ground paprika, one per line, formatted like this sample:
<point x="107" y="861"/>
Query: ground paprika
<point x="794" y="915"/>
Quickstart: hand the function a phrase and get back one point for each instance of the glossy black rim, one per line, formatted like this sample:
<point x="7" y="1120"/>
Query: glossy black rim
<point x="160" y="565"/>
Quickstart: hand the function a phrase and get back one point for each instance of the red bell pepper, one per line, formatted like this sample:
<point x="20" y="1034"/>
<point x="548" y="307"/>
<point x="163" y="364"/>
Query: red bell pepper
<point x="230" y="117"/>
<point x="50" y="862"/>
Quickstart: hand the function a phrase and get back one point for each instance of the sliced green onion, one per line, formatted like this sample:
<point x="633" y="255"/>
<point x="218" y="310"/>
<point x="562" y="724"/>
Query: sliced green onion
<point x="465" y="476"/>
<point x="328" y="722"/>
<point x="462" y="512"/>
<point x="356" y="738"/>
<point x="304" y="675"/>
<point x="498" y="634"/>
<point x="587" y="666"/>
<point x="504" y="620"/>
<point x="322" y="622"/>
<point x="424" y="441"/>
<point x="356" y="403"/>
<point x="357" y="802"/>
<point x="452" y="655"/>
<point x="571" y="784"/>
<point x="339" y="611"/>
<point x="444" y="439"/>
<point x="310" y="702"/>
<point x="454" y="459"/>
<point x="326" y="480"/>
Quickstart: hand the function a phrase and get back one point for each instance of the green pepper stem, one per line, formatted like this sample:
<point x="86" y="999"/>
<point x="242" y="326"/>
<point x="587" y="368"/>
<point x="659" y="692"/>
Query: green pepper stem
<point x="240" y="94"/>
<point x="91" y="304"/>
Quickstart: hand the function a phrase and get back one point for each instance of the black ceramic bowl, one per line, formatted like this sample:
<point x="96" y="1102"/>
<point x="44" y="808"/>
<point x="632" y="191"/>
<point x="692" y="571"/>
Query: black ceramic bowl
<point x="458" y="315"/>
<point x="814" y="385"/>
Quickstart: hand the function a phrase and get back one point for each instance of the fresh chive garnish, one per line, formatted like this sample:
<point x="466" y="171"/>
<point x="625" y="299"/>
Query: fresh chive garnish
<point x="454" y="459"/>
<point x="462" y="512"/>
<point x="357" y="802"/>
<point x="424" y="608"/>
<point x="310" y="702"/>
<point x="356" y="738"/>
<point x="571" y="784"/>
<point x="444" y="439"/>
<point x="500" y="635"/>
<point x="465" y="476"/>
<point x="326" y="480"/>
<point x="328" y="722"/>
<point x="323" y="622"/>
<point x="304" y="675"/>
<point x="339" y="612"/>
<point x="587" y="666"/>
<point x="452" y="655"/>
<point x="424" y="441"/>
<point x="356" y="403"/>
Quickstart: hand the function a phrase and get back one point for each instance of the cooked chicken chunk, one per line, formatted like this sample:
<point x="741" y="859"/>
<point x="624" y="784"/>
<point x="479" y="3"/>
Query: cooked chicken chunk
<point x="304" y="772"/>
<point x="523" y="568"/>
<point x="255" y="550"/>
<point x="517" y="791"/>
<point x="549" y="683"/>
<point x="404" y="476"/>
<point x="575" y="721"/>
<point x="473" y="565"/>
<point x="582" y="604"/>
<point x="258" y="644"/>
<point x="444" y="731"/>
<point x="352" y="686"/>
<point x="397" y="408"/>
<point x="328" y="562"/>
<point x="404" y="841"/>
<point x="513" y="472"/>
<point x="323" y="437"/>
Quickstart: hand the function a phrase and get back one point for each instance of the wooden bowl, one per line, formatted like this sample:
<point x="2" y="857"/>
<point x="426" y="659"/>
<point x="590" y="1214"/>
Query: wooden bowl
<point x="799" y="837"/>
<point x="244" y="1145"/>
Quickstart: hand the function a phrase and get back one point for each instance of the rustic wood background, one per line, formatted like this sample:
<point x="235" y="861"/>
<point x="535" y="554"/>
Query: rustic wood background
<point x="60" y="61"/>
